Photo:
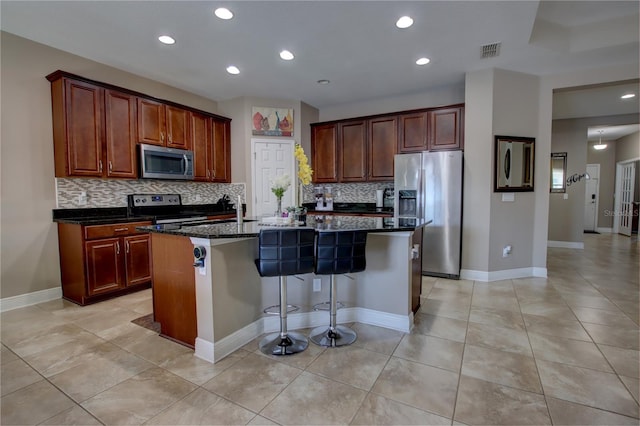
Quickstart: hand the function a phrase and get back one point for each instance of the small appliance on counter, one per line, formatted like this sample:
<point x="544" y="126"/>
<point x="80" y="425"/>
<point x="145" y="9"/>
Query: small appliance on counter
<point x="388" y="198"/>
<point x="324" y="199"/>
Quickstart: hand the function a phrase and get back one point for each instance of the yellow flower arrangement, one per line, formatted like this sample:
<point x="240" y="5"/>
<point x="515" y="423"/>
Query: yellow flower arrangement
<point x="305" y="172"/>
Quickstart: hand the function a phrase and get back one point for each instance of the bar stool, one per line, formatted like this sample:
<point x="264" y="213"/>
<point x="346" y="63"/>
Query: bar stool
<point x="338" y="252"/>
<point x="284" y="252"/>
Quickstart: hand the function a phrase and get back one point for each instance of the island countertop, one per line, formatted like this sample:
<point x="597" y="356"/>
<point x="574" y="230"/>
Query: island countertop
<point x="250" y="227"/>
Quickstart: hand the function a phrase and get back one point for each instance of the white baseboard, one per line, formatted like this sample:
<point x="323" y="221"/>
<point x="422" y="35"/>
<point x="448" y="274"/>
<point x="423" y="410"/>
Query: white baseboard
<point x="605" y="230"/>
<point x="506" y="274"/>
<point x="214" y="352"/>
<point x="566" y="244"/>
<point x="28" y="299"/>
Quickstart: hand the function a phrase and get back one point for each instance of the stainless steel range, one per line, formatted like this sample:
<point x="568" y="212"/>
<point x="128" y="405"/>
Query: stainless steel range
<point x="164" y="208"/>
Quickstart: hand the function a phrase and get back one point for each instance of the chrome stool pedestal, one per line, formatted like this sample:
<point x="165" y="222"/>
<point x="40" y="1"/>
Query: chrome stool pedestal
<point x="338" y="252"/>
<point x="284" y="252"/>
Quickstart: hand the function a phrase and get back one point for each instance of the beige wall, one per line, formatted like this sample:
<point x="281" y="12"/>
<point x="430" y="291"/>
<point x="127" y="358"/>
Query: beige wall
<point x="566" y="216"/>
<point x="240" y="111"/>
<point x="29" y="243"/>
<point x="628" y="147"/>
<point x="512" y="223"/>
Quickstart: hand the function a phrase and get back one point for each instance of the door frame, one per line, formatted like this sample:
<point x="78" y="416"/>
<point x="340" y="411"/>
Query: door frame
<point x="254" y="177"/>
<point x="617" y="208"/>
<point x="597" y="213"/>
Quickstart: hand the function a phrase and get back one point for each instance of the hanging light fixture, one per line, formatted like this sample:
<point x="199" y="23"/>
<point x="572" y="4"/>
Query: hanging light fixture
<point x="600" y="146"/>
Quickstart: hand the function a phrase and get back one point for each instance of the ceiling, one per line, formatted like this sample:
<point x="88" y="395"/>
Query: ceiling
<point x="354" y="44"/>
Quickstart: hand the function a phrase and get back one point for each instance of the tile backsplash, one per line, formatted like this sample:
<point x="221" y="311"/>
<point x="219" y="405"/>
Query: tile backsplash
<point x="113" y="192"/>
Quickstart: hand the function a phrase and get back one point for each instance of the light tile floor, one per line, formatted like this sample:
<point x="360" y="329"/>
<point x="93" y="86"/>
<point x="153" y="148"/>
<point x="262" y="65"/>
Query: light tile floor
<point x="561" y="350"/>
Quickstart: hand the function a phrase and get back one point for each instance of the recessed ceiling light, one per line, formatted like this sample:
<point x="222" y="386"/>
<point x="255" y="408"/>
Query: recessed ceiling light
<point x="404" y="22"/>
<point x="628" y="96"/>
<point x="286" y="55"/>
<point x="232" y="69"/>
<point x="323" y="81"/>
<point x="166" y="39"/>
<point x="223" y="13"/>
<point x="423" y="61"/>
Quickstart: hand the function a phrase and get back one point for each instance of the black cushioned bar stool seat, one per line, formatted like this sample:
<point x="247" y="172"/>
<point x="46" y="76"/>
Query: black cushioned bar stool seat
<point x="338" y="252"/>
<point x="284" y="252"/>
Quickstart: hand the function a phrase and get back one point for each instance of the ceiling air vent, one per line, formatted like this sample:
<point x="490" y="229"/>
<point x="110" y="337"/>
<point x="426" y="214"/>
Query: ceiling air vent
<point x="491" y="50"/>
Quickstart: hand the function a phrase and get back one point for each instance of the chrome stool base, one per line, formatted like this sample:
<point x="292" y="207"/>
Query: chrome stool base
<point x="326" y="306"/>
<point x="340" y="335"/>
<point x="275" y="309"/>
<point x="276" y="344"/>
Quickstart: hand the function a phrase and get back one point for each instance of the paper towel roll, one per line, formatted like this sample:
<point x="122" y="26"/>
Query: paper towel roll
<point x="379" y="193"/>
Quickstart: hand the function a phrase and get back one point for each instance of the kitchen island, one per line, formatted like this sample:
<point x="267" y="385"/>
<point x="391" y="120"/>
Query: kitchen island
<point x="217" y="306"/>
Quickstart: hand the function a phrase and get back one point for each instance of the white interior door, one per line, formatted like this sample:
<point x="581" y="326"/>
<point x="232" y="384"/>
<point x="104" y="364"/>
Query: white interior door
<point x="271" y="157"/>
<point x="591" y="197"/>
<point x="627" y="180"/>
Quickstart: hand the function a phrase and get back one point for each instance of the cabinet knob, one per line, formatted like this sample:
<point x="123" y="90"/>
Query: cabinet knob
<point x="100" y="165"/>
<point x="162" y="136"/>
<point x="110" y="167"/>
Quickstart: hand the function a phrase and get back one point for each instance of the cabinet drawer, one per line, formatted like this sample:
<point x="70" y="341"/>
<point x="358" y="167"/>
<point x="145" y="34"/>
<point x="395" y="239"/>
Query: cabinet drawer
<point x="106" y="231"/>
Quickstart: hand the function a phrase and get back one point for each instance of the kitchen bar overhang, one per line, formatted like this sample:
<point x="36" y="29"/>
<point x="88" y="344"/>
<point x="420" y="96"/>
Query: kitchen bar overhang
<point x="230" y="295"/>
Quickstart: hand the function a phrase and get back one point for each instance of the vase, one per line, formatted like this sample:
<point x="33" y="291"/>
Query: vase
<point x="279" y="207"/>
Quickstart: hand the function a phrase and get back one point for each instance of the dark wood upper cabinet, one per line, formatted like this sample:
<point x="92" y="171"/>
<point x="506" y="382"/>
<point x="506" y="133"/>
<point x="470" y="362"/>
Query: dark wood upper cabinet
<point x="382" y="147"/>
<point x="177" y="130"/>
<point x="220" y="151"/>
<point x="324" y="152"/>
<point x="211" y="144"/>
<point x="151" y="122"/>
<point x="200" y="142"/>
<point x="352" y="151"/>
<point x="120" y="134"/>
<point x="446" y="127"/>
<point x="77" y="128"/>
<point x="412" y="134"/>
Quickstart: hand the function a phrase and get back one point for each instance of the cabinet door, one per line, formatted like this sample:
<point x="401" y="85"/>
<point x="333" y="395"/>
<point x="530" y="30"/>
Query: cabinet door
<point x="105" y="269"/>
<point x="83" y="112"/>
<point x="200" y="142"/>
<point x="221" y="151"/>
<point x="151" y="126"/>
<point x="324" y="152"/>
<point x="352" y="158"/>
<point x="383" y="142"/>
<point x="137" y="251"/>
<point x="177" y="123"/>
<point x="120" y="135"/>
<point x="412" y="134"/>
<point x="445" y="129"/>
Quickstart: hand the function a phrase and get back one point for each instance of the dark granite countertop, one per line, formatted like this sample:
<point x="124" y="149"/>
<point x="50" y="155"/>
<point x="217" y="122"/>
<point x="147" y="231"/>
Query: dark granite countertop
<point x="251" y="226"/>
<point x="108" y="215"/>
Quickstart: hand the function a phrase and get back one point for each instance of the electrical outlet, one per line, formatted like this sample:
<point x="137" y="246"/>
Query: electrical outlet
<point x="506" y="251"/>
<point x="317" y="284"/>
<point x="82" y="198"/>
<point x="198" y="197"/>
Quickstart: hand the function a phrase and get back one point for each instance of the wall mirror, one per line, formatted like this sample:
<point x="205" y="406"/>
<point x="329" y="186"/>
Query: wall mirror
<point x="558" y="172"/>
<point x="514" y="164"/>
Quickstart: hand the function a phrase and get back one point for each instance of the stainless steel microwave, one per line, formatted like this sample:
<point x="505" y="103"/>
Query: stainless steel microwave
<point x="158" y="162"/>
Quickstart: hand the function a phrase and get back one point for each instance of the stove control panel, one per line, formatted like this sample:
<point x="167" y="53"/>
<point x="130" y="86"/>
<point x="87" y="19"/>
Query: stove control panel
<point x="155" y="200"/>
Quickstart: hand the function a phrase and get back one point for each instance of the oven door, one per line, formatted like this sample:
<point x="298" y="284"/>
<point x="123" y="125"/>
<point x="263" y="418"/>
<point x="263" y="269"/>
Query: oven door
<point x="157" y="162"/>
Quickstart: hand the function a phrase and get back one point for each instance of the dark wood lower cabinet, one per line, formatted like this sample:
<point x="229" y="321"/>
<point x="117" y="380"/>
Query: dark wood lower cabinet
<point x="174" y="288"/>
<point x="103" y="261"/>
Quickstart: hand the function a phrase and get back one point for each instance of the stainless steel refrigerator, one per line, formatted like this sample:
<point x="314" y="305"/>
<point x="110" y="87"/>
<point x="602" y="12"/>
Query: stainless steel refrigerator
<point x="428" y="185"/>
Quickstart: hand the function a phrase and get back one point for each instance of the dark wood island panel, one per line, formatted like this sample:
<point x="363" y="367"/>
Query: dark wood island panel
<point x="174" y="287"/>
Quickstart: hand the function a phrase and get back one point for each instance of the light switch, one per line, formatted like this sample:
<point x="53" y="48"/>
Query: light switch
<point x="565" y="197"/>
<point x="508" y="196"/>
